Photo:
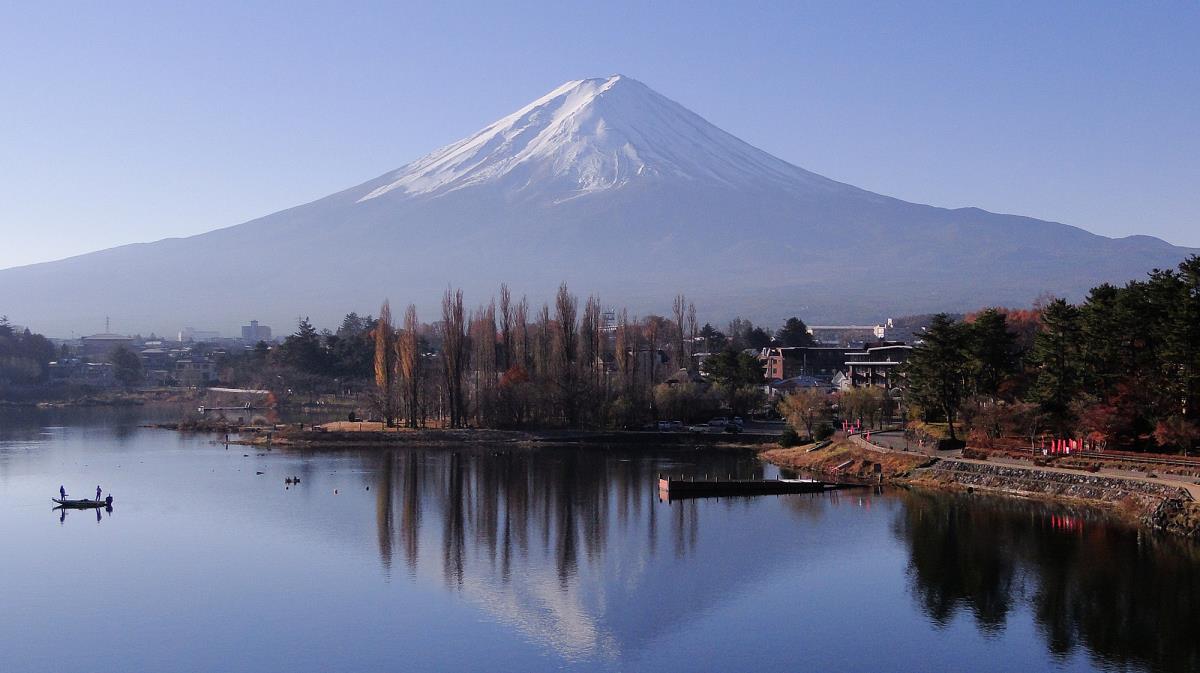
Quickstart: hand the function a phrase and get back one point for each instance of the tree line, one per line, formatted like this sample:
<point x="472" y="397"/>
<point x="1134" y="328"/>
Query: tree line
<point x="509" y="364"/>
<point x="24" y="355"/>
<point x="1120" y="369"/>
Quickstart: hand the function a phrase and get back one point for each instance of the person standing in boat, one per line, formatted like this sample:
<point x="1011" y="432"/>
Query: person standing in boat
<point x="62" y="492"/>
<point x="97" y="494"/>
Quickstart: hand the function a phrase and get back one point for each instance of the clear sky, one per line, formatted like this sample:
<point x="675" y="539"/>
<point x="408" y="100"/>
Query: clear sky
<point x="123" y="122"/>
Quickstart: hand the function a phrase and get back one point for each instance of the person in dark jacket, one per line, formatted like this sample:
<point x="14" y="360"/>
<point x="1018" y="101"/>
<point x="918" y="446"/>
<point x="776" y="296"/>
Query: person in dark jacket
<point x="97" y="493"/>
<point x="62" y="492"/>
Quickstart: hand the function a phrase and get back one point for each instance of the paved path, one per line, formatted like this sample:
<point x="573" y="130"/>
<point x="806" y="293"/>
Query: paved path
<point x="894" y="441"/>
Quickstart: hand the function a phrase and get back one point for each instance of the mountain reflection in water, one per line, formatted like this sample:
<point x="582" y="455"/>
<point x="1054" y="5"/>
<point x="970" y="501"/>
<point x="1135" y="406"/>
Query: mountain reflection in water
<point x="566" y="544"/>
<point x="517" y="559"/>
<point x="570" y="545"/>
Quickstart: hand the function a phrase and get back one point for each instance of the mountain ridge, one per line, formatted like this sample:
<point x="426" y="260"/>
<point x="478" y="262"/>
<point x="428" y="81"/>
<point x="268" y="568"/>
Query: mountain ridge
<point x="611" y="187"/>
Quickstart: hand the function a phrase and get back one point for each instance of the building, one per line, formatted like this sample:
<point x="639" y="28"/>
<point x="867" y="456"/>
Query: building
<point x="254" y="333"/>
<point x="81" y="372"/>
<point x="156" y="358"/>
<point x="778" y="389"/>
<point x="876" y="366"/>
<point x="98" y="347"/>
<point x="198" y="335"/>
<point x="789" y="362"/>
<point x="194" y="372"/>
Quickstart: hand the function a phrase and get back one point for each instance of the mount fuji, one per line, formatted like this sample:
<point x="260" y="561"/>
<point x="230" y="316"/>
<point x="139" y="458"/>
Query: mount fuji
<point x="610" y="187"/>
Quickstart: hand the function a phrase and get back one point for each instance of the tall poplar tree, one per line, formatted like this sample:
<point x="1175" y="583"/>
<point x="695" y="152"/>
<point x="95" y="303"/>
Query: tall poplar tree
<point x="385" y="364"/>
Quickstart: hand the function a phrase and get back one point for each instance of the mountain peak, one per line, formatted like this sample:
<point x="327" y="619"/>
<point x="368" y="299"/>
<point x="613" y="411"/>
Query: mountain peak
<point x="586" y="136"/>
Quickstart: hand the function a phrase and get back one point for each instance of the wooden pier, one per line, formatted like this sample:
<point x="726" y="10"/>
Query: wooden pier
<point x="676" y="489"/>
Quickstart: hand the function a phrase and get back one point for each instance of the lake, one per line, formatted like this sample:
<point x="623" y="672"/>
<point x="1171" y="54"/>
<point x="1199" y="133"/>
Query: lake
<point x="504" y="559"/>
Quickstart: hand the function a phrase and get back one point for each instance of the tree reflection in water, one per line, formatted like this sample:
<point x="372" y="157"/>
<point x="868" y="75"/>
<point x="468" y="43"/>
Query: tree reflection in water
<point x="1125" y="596"/>
<point x="565" y="542"/>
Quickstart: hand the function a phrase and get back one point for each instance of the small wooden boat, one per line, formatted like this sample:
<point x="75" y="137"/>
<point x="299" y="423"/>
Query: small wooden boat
<point x="81" y="504"/>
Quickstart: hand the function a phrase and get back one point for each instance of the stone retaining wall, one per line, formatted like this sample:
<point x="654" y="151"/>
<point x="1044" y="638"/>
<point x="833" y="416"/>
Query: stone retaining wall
<point x="1155" y="505"/>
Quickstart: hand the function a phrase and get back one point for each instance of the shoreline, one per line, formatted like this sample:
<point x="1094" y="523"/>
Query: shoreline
<point x="1144" y="502"/>
<point x="309" y="436"/>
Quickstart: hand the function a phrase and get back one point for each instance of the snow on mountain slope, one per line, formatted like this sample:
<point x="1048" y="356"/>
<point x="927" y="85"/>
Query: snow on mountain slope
<point x="610" y="187"/>
<point x="593" y="135"/>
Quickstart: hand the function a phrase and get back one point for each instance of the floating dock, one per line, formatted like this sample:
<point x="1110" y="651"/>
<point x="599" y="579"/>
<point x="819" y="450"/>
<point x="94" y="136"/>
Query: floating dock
<point x="676" y="489"/>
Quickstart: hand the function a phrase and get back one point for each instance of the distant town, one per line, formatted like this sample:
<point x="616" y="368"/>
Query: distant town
<point x="829" y="357"/>
<point x="187" y="359"/>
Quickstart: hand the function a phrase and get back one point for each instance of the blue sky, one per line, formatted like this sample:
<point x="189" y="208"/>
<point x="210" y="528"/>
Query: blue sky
<point x="123" y="122"/>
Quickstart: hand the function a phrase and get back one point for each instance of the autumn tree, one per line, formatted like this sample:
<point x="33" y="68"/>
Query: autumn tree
<point x="866" y="404"/>
<point x="385" y="397"/>
<point x="804" y="409"/>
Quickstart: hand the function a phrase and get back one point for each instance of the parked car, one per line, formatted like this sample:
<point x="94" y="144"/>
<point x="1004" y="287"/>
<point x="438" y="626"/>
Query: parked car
<point x="677" y="426"/>
<point x="664" y="426"/>
<point x="737" y="420"/>
<point x="698" y="428"/>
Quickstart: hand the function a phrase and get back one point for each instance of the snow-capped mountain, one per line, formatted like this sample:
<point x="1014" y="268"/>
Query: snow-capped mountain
<point x="608" y="186"/>
<point x="592" y="135"/>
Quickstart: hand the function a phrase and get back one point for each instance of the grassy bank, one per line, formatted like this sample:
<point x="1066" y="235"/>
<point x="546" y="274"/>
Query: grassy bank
<point x="843" y="459"/>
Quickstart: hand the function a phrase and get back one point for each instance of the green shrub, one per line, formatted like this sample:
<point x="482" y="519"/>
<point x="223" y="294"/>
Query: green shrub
<point x="789" y="438"/>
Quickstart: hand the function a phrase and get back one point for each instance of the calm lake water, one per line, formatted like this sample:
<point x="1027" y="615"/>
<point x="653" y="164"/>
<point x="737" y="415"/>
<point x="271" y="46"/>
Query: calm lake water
<point x="546" y="559"/>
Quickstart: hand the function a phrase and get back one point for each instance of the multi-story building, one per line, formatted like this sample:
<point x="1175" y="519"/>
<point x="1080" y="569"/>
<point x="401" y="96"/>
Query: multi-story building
<point x="254" y="332"/>
<point x="788" y="362"/>
<point x="876" y="366"/>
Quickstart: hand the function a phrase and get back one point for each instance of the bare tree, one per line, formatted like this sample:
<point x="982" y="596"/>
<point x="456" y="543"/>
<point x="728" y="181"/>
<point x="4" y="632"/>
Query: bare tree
<point x="566" y="308"/>
<point x="454" y="353"/>
<point x="655" y="328"/>
<point x="693" y="328"/>
<point x="541" y="344"/>
<point x="679" y="309"/>
<point x="804" y="408"/>
<point x="483" y="356"/>
<point x="521" y="333"/>
<point x="408" y="347"/>
<point x="385" y="365"/>
<point x="590" y="360"/>
<point x="506" y="329"/>
<point x="626" y="351"/>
